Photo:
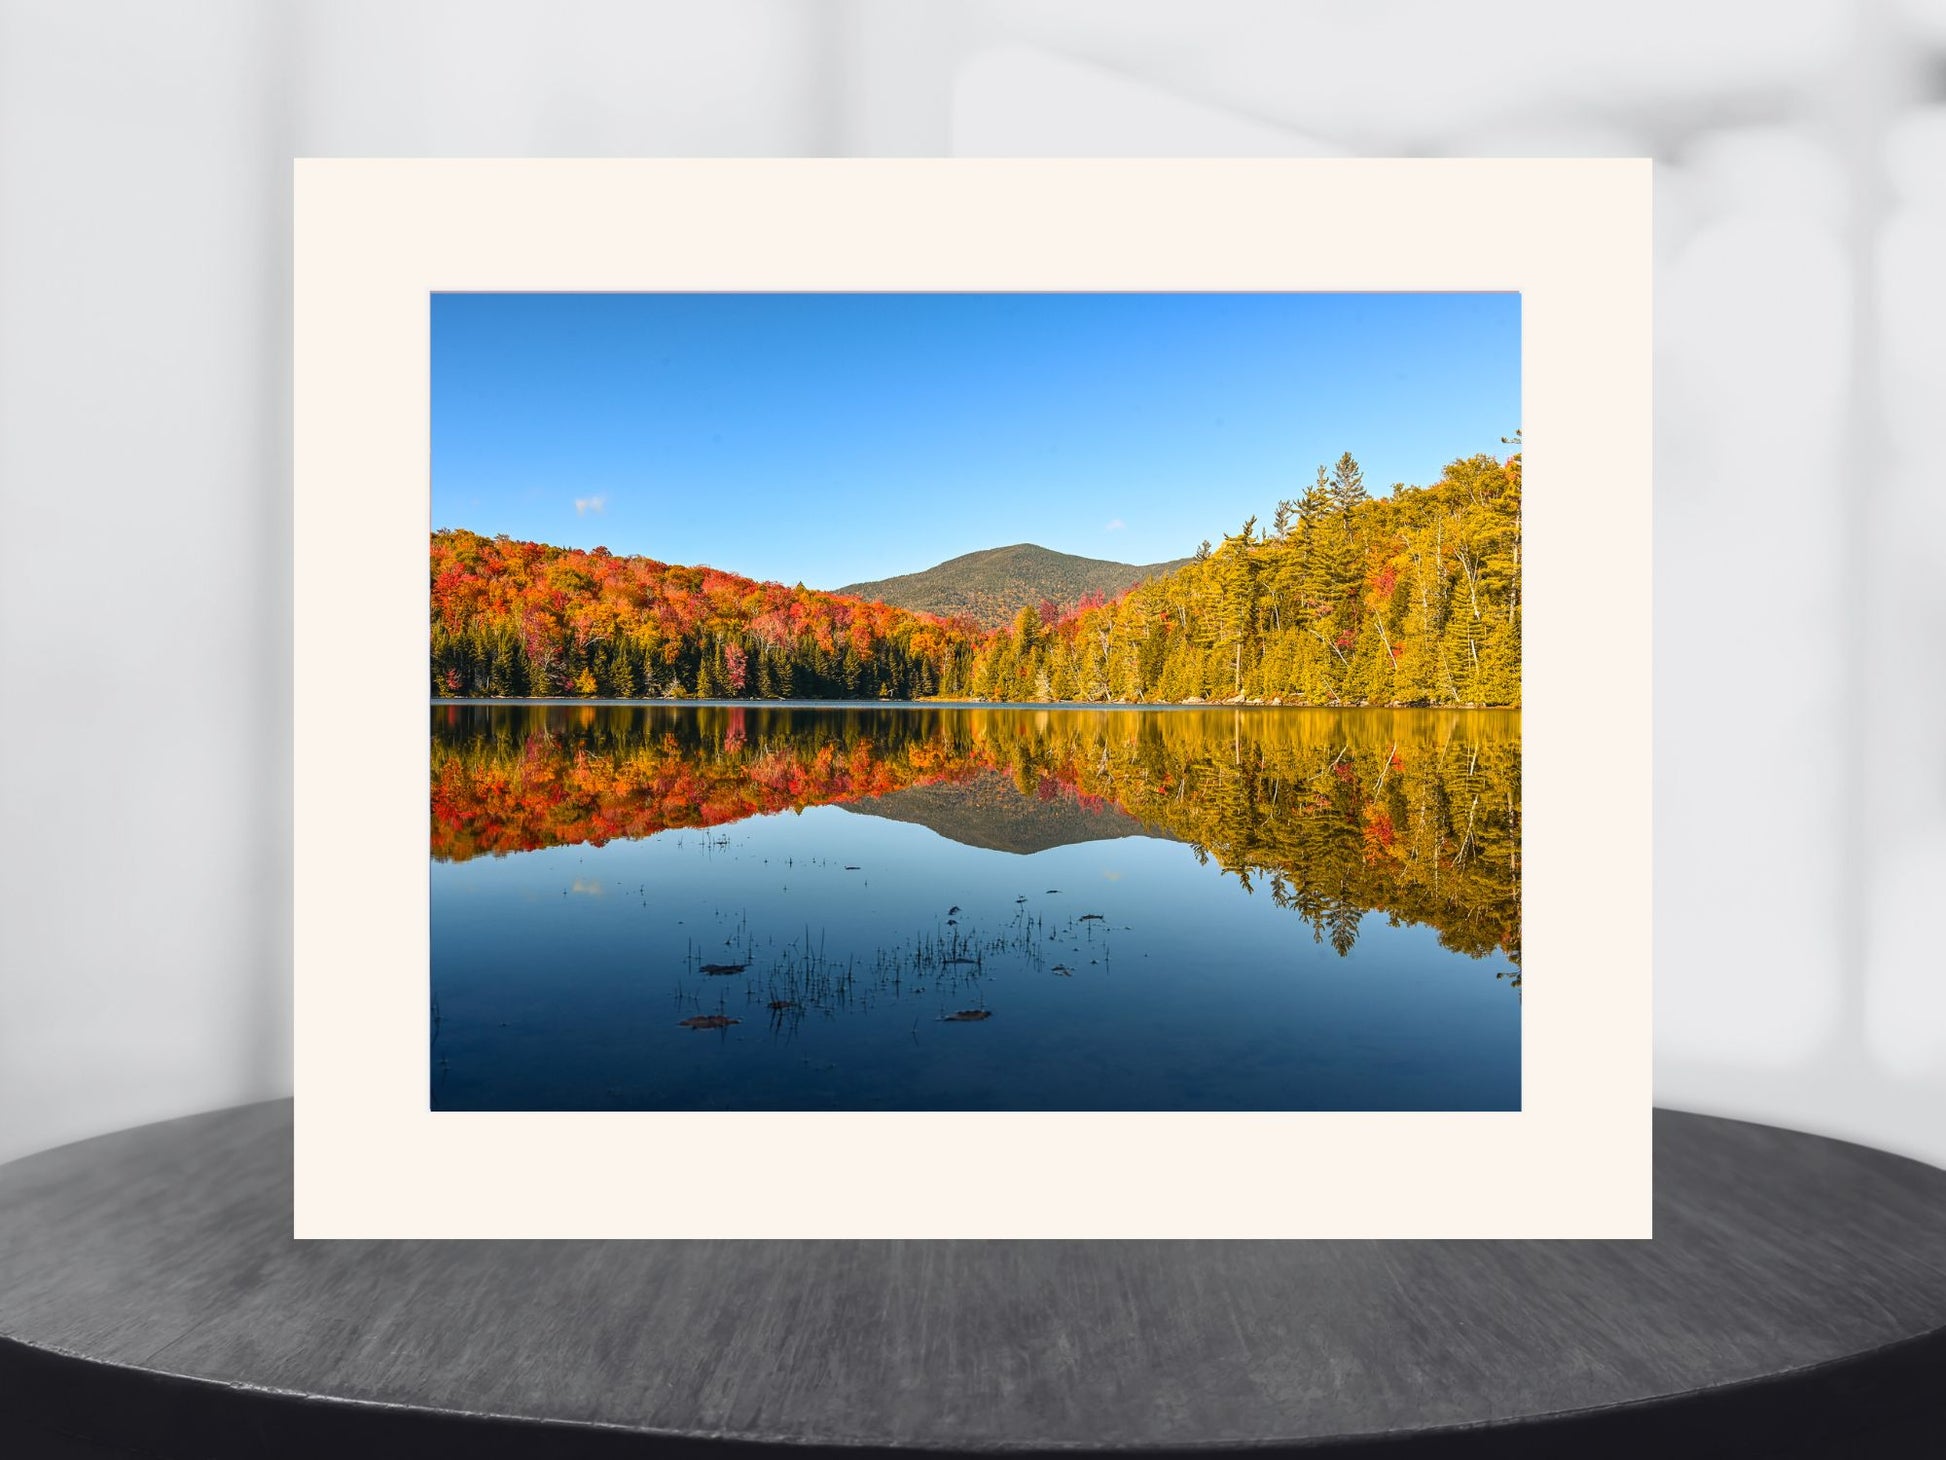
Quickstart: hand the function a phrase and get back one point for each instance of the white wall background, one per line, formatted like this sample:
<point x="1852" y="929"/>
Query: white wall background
<point x="145" y="406"/>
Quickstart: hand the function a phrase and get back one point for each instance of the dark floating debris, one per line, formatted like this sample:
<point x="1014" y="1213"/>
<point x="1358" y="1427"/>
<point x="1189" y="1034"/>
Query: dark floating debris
<point x="969" y="1016"/>
<point x="953" y="911"/>
<point x="778" y="1006"/>
<point x="1021" y="898"/>
<point x="944" y="961"/>
<point x="1053" y="892"/>
<point x="710" y="1021"/>
<point x="1063" y="970"/>
<point x="852" y="869"/>
<point x="715" y="969"/>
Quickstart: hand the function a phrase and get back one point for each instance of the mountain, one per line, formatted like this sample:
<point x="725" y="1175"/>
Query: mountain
<point x="991" y="587"/>
<point x="988" y="810"/>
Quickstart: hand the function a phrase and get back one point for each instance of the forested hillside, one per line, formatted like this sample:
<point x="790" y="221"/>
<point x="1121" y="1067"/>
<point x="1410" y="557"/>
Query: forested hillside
<point x="1346" y="598"/>
<point x="1411" y="598"/>
<point x="992" y="585"/>
<point x="521" y="619"/>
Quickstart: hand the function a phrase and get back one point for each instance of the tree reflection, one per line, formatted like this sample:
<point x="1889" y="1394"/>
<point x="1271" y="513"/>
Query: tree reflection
<point x="1412" y="813"/>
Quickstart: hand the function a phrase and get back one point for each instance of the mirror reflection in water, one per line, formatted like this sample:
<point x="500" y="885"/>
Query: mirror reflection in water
<point x="852" y="907"/>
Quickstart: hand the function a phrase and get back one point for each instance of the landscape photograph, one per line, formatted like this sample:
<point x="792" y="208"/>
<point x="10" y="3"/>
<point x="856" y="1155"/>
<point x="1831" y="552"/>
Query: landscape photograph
<point x="977" y="702"/>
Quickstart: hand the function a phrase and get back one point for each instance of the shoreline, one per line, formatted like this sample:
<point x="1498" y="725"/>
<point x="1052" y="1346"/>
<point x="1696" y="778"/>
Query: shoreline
<point x="957" y="704"/>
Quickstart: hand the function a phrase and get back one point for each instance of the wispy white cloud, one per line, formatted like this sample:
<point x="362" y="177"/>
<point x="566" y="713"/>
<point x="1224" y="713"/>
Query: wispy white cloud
<point x="584" y="505"/>
<point x="1115" y="524"/>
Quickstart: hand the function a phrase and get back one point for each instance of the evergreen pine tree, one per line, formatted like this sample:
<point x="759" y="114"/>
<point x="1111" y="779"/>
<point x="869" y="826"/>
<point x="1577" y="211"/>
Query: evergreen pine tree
<point x="621" y="672"/>
<point x="1347" y="485"/>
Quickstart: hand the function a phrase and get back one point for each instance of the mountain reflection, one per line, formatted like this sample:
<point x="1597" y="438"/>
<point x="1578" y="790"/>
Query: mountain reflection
<point x="1332" y="813"/>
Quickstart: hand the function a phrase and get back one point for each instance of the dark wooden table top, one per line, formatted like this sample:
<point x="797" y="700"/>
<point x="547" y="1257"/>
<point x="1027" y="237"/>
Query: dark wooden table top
<point x="152" y="1303"/>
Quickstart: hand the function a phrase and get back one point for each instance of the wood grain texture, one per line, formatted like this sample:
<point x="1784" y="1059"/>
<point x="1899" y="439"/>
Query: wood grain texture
<point x="152" y="1303"/>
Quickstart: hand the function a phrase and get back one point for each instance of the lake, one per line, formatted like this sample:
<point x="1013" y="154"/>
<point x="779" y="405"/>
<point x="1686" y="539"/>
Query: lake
<point x="860" y="907"/>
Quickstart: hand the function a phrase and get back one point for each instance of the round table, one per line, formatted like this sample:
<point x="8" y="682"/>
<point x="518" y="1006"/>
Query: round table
<point x="152" y="1303"/>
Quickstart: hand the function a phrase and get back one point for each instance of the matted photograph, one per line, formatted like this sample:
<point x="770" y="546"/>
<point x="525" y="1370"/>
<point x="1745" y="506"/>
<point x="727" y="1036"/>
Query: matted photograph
<point x="975" y="701"/>
<point x="977" y="698"/>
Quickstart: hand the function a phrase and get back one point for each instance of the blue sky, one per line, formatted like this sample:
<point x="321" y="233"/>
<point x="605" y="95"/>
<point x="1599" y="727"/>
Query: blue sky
<point x="831" y="438"/>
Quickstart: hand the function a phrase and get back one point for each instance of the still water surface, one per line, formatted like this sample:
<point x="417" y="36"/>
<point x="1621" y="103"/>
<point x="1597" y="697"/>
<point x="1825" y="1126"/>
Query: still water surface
<point x="702" y="907"/>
